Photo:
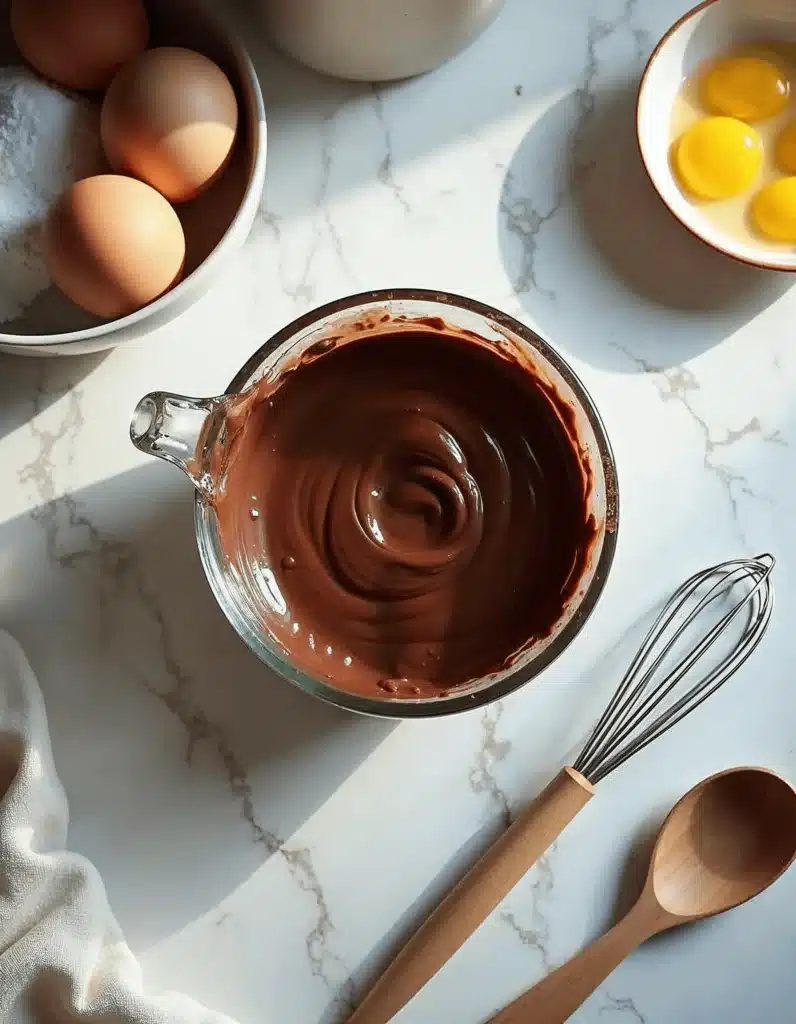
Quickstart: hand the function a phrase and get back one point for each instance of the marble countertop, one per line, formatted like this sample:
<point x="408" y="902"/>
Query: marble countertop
<point x="265" y="853"/>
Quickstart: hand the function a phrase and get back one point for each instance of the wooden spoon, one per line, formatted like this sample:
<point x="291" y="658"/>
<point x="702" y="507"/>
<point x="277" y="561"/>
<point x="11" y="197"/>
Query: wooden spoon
<point x="726" y="841"/>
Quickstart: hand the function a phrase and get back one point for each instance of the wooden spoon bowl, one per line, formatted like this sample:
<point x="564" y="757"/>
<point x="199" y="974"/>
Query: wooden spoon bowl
<point x="728" y="839"/>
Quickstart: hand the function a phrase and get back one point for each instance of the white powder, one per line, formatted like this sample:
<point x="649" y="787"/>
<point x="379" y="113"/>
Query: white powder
<point x="48" y="140"/>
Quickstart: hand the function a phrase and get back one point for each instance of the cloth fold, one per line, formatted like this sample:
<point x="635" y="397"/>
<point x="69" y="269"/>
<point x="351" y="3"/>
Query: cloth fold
<point x="63" y="958"/>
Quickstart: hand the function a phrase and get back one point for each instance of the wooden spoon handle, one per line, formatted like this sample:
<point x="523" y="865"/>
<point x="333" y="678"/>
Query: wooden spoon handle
<point x="557" y="996"/>
<point x="475" y="897"/>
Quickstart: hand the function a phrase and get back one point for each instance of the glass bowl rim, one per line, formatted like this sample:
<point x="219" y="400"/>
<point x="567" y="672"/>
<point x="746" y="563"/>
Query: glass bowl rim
<point x="390" y="707"/>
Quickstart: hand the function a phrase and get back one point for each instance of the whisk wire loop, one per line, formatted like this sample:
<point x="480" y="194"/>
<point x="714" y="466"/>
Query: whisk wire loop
<point x="649" y="701"/>
<point x="636" y="714"/>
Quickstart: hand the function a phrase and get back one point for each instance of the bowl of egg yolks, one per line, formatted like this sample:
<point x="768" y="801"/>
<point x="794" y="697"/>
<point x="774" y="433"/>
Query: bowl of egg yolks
<point x="214" y="224"/>
<point x="716" y="124"/>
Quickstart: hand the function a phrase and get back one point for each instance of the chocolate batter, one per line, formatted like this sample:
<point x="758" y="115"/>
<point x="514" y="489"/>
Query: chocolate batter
<point x="416" y="506"/>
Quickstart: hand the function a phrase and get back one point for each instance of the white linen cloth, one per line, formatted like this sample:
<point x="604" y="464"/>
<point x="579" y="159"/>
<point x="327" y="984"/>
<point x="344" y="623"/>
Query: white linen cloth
<point x="63" y="959"/>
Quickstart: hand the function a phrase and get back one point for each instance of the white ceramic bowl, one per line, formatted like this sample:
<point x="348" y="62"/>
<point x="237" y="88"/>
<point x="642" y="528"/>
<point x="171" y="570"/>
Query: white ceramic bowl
<point x="708" y="31"/>
<point x="215" y="224"/>
<point x="375" y="40"/>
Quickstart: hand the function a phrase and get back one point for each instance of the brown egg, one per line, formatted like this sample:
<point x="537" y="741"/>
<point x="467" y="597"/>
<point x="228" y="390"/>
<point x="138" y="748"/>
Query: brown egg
<point x="170" y="118"/>
<point x="79" y="43"/>
<point x="113" y="245"/>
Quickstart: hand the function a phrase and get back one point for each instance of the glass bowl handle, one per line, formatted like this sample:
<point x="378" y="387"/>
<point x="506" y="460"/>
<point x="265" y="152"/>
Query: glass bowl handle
<point x="177" y="429"/>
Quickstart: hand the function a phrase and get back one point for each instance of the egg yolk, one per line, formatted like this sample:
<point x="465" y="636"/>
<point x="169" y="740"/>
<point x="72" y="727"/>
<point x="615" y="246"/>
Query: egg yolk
<point x="745" y="87"/>
<point x="786" y="149"/>
<point x="718" y="157"/>
<point x="774" y="210"/>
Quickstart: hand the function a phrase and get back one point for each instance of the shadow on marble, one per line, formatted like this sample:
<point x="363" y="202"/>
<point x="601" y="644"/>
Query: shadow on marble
<point x="409" y="119"/>
<point x="631" y="883"/>
<point x="46" y="379"/>
<point x="590" y="248"/>
<point x="418" y="910"/>
<point x="186" y="762"/>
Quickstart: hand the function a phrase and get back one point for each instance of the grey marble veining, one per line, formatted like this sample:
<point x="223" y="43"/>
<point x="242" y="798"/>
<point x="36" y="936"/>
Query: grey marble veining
<point x="266" y="853"/>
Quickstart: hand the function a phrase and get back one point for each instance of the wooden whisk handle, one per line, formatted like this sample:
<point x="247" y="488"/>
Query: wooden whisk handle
<point x="468" y="905"/>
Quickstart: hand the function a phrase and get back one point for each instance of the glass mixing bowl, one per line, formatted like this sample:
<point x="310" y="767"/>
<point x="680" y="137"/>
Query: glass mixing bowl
<point x="191" y="434"/>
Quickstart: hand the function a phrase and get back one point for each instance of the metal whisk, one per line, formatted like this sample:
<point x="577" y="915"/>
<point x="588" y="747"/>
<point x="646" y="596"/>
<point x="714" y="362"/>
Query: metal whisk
<point x="724" y="609"/>
<point x="627" y="724"/>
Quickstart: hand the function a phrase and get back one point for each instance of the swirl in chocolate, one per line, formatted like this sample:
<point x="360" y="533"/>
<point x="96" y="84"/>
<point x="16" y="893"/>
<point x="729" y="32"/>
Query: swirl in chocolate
<point x="418" y="502"/>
